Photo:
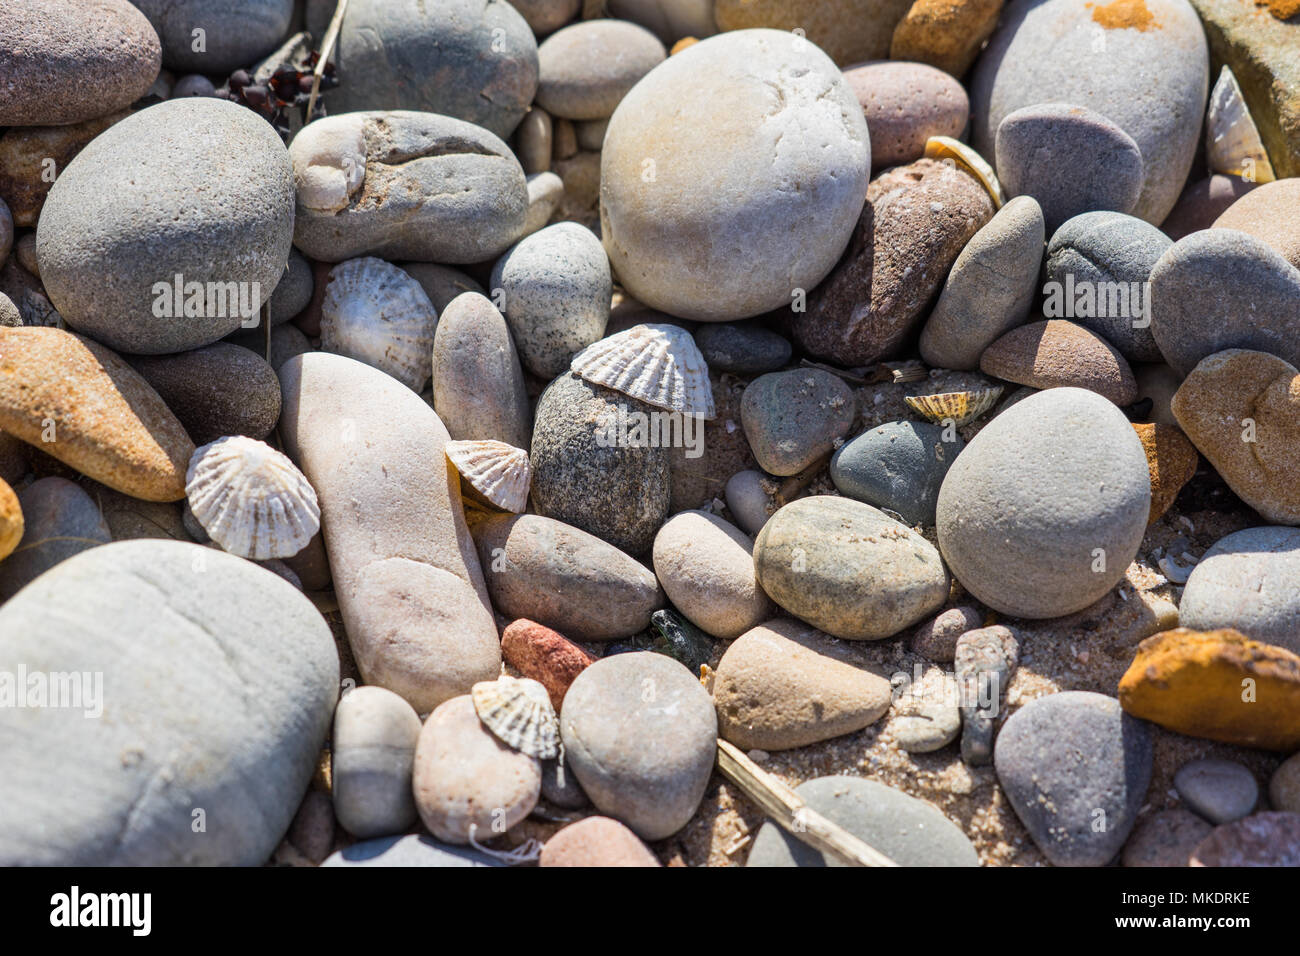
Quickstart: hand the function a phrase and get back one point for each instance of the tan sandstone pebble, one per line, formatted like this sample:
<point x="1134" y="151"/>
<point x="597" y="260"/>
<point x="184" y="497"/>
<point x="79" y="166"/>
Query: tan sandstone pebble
<point x="784" y="684"/>
<point x="466" y="781"/>
<point x="848" y="30"/>
<point x="1057" y="353"/>
<point x="1284" y="787"/>
<point x="11" y="520"/>
<point x="104" y="419"/>
<point x="1263" y="839"/>
<point x="546" y="656"/>
<point x="1240" y="409"/>
<point x="936" y="639"/>
<point x="1172" y="460"/>
<point x="1270" y="212"/>
<point x="947" y="34"/>
<point x="26" y="153"/>
<point x="596" y="841"/>
<point x="1166" y="838"/>
<point x="706" y="567"/>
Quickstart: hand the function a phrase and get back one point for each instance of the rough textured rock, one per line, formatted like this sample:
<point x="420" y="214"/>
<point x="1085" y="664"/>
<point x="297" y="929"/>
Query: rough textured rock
<point x="585" y="69"/>
<point x="1219" y="685"/>
<point x="372" y="753"/>
<point x="848" y="569"/>
<point x="84" y="405"/>
<point x="1057" y="353"/>
<point x="783" y="685"/>
<point x="233" y="36"/>
<point x="405" y="573"/>
<point x="562" y="577"/>
<point x="983" y="661"/>
<point x="1263" y="839"/>
<point x="793" y="418"/>
<point x="898" y="466"/>
<point x="11" y="521"/>
<point x="1171" y="461"/>
<point x="848" y="30"/>
<point x="703" y="216"/>
<point x="706" y="567"/>
<point x="1167" y="838"/>
<point x="947" y="34"/>
<point x="197" y="188"/>
<point x="24" y="155"/>
<point x="193" y="695"/>
<point x="1249" y="581"/>
<point x="641" y="735"/>
<point x="1042" y="513"/>
<point x="916" y="221"/>
<point x="544" y="655"/>
<point x="925" y="716"/>
<point x="596" y="841"/>
<point x="904" y="105"/>
<point x="1239" y="409"/>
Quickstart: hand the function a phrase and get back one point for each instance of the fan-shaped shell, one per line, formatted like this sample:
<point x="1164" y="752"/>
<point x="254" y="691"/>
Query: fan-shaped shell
<point x="251" y="499"/>
<point x="519" y="712"/>
<point x="961" y="407"/>
<point x="1232" y="142"/>
<point x="375" y="313"/>
<point x="656" y="364"/>
<point x="945" y="147"/>
<point x="493" y="473"/>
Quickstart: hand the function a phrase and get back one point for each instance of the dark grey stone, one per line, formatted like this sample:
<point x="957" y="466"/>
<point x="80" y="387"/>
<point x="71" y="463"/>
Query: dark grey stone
<point x="59" y="520"/>
<point x="743" y="348"/>
<point x="897" y="466"/>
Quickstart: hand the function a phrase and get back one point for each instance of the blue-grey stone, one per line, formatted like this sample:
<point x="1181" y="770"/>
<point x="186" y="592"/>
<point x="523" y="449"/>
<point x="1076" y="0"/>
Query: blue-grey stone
<point x="59" y="520"/>
<point x="897" y="466"/>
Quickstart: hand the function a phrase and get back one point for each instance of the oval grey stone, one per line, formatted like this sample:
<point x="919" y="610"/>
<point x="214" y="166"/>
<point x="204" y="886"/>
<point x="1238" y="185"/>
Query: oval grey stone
<point x="233" y="35"/>
<point x="898" y="466"/>
<point x="59" y="521"/>
<point x="373" y="752"/>
<point x="1219" y="790"/>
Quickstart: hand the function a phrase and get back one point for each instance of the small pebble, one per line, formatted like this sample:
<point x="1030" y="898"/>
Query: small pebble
<point x="1219" y="790"/>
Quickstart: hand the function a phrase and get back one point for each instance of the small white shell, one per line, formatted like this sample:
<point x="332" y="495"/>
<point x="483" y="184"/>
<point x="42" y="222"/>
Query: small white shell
<point x="1232" y="142"/>
<point x="498" y="474"/>
<point x="656" y="364"/>
<point x="519" y="712"/>
<point x="251" y="499"/>
<point x="376" y="313"/>
<point x="329" y="163"/>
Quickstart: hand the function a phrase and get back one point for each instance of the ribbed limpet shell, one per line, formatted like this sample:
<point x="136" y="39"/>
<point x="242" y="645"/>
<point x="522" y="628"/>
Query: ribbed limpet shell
<point x="658" y="364"/>
<point x="1232" y="142"/>
<point x="945" y="147"/>
<point x="519" y="712"/>
<point x="493" y="473"/>
<point x="251" y="499"/>
<point x="961" y="407"/>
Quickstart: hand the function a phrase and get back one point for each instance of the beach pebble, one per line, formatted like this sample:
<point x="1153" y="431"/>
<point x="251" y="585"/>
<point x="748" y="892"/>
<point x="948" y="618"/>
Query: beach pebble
<point x="1239" y="408"/>
<point x="1284" y="786"/>
<point x="1219" y="790"/>
<point x="1193" y="682"/>
<point x="743" y="348"/>
<point x="1056" y="353"/>
<point x="478" y="383"/>
<point x="916" y="221"/>
<point x="747" y="500"/>
<point x="1100" y="263"/>
<point x="989" y="288"/>
<point x="783" y="685"/>
<point x="848" y="569"/>
<point x="468" y="784"/>
<point x="65" y="61"/>
<point x="373" y="752"/>
<point x="545" y="193"/>
<point x="129" y="518"/>
<point x="407" y="579"/>
<point x="287" y="341"/>
<point x="1143" y="66"/>
<point x="588" y="474"/>
<point x="585" y="69"/>
<point x="1171" y="462"/>
<point x="640" y="733"/>
<point x="1042" y="513"/>
<point x="26" y="153"/>
<point x="925" y="716"/>
<point x="312" y="831"/>
<point x="909" y="831"/>
<point x="706" y="567"/>
<point x="543" y="16"/>
<point x="936" y="639"/>
<point x="199" y="189"/>
<point x="411" y="850"/>
<point x="193" y="85"/>
<point x="228" y="37"/>
<point x="1202" y="202"/>
<point x="294" y="291"/>
<point x="1223" y="289"/>
<point x="57" y="520"/>
<point x="561" y="788"/>
<point x="596" y="841"/>
<point x="218" y="390"/>
<point x="380" y="183"/>
<point x="193" y="695"/>
<point x="670" y="20"/>
<point x="1076" y="769"/>
<point x="1071" y="159"/>
<point x="10" y="316"/>
<point x="554" y="290"/>
<point x="699" y="210"/>
<point x="947" y="34"/>
<point x="544" y="655"/>
<point x="793" y="418"/>
<point x="441" y="284"/>
<point x="1270" y="213"/>
<point x="1263" y="839"/>
<point x="983" y="661"/>
<point x="897" y="466"/>
<point x="904" y="105"/>
<point x="1166" y="838"/>
<point x="591" y="133"/>
<point x="1248" y="581"/>
<point x="533" y="141"/>
<point x="564" y="578"/>
<point x="460" y="58"/>
<point x="84" y="405"/>
<point x="848" y="32"/>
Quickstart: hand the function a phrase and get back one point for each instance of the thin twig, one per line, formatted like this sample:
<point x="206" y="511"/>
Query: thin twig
<point x="326" y="48"/>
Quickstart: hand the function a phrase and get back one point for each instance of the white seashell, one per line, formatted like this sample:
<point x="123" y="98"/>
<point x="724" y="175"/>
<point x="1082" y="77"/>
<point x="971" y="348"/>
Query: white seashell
<point x="1232" y="142"/>
<point x="329" y="163"/>
<point x="656" y="364"/>
<point x="1178" y="573"/>
<point x="519" y="712"/>
<point x="376" y="313"/>
<point x="251" y="499"/>
<point x="947" y="149"/>
<point x="496" y="474"/>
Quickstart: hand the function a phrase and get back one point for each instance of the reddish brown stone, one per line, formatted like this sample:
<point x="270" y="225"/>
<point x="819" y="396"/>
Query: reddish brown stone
<point x="545" y="655"/>
<point x="1057" y="353"/>
<point x="1172" y="461"/>
<point x="1263" y="839"/>
<point x="596" y="841"/>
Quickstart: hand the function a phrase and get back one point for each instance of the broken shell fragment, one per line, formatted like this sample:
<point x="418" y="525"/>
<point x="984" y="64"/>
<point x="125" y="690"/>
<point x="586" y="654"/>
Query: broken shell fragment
<point x="946" y="148"/>
<point x="653" y="363"/>
<point x="961" y="407"/>
<point x="1232" y="142"/>
<point x="493" y="473"/>
<point x="518" y="711"/>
